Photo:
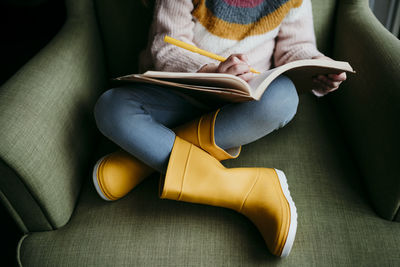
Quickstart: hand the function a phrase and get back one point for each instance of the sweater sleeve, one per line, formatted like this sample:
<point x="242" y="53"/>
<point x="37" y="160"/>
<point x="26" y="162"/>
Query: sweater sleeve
<point x="174" y="18"/>
<point x="296" y="37"/>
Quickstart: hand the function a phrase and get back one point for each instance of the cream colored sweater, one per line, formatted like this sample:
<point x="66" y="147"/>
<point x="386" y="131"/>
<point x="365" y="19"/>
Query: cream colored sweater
<point x="267" y="31"/>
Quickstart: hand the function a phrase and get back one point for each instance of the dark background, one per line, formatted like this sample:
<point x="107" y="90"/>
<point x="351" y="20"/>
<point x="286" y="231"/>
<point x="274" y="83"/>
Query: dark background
<point x="25" y="28"/>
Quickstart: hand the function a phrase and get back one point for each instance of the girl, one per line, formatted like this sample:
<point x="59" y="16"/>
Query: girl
<point x="183" y="138"/>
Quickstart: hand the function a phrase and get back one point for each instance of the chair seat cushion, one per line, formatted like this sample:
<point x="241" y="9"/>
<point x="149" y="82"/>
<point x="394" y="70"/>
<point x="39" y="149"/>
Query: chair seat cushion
<point x="336" y="225"/>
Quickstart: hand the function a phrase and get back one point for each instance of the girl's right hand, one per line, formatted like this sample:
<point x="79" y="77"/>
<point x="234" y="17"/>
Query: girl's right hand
<point x="235" y="64"/>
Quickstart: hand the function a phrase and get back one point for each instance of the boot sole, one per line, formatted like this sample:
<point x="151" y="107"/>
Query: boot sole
<point x="95" y="180"/>
<point x="293" y="214"/>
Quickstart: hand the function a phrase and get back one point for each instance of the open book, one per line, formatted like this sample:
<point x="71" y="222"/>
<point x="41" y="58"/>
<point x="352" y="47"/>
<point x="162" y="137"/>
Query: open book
<point x="231" y="88"/>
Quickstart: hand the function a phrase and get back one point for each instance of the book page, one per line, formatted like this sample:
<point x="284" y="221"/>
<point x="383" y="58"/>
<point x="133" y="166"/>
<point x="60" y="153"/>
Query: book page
<point x="215" y="80"/>
<point x="259" y="79"/>
<point x="301" y="73"/>
<point x="220" y="93"/>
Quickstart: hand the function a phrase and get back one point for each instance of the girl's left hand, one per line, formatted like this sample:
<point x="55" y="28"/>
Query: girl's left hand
<point x="329" y="82"/>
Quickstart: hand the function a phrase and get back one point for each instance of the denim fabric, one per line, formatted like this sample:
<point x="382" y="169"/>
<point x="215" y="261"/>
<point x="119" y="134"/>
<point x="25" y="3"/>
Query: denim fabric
<point x="139" y="118"/>
<point x="242" y="123"/>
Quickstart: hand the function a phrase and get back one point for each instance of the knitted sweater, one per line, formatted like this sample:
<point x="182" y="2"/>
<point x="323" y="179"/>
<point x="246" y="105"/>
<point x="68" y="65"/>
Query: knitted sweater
<point x="268" y="32"/>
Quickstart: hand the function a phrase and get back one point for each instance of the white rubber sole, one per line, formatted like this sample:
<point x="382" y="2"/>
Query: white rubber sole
<point x="293" y="214"/>
<point x="96" y="182"/>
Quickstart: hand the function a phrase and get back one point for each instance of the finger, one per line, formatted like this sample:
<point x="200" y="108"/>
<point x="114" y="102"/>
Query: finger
<point x="321" y="85"/>
<point x="242" y="57"/>
<point x="238" y="69"/>
<point x="333" y="89"/>
<point x="231" y="60"/>
<point x="328" y="81"/>
<point x="246" y="76"/>
<point x="319" y="93"/>
<point x="333" y="84"/>
<point x="338" y="77"/>
<point x="336" y="84"/>
<point x="323" y="88"/>
<point x="321" y="79"/>
<point x="211" y="67"/>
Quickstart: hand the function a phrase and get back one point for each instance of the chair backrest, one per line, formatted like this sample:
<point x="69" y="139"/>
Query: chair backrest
<point x="47" y="127"/>
<point x="324" y="12"/>
<point x="124" y="25"/>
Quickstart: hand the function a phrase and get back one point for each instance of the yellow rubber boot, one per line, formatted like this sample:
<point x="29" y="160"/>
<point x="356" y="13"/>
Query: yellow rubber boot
<point x="261" y="194"/>
<point x="116" y="174"/>
<point x="200" y="132"/>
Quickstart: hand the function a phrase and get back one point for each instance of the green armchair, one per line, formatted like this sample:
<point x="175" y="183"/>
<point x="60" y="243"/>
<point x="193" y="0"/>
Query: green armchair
<point x="340" y="155"/>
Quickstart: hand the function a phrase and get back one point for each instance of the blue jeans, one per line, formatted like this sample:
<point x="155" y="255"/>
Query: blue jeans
<point x="139" y="118"/>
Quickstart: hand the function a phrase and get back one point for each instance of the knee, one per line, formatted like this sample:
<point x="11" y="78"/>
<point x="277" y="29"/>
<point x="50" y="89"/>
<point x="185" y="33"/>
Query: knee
<point x="280" y="101"/>
<point x="111" y="109"/>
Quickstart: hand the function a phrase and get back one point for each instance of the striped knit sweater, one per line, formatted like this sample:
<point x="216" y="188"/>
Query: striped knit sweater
<point x="267" y="31"/>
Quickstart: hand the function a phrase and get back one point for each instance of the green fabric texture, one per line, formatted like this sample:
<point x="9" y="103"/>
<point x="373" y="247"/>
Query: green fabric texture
<point x="324" y="18"/>
<point x="47" y="122"/>
<point x="368" y="103"/>
<point x="336" y="225"/>
<point x="21" y="203"/>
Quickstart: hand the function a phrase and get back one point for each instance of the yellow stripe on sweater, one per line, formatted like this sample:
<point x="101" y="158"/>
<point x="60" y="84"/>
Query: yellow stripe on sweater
<point x="235" y="31"/>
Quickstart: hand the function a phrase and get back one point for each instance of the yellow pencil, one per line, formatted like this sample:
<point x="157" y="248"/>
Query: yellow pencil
<point x="197" y="50"/>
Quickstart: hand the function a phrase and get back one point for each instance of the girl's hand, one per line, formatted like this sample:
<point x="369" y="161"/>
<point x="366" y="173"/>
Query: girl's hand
<point x="235" y="64"/>
<point x="329" y="82"/>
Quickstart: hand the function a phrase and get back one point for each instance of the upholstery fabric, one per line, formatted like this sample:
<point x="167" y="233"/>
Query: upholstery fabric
<point x="324" y="12"/>
<point x="369" y="102"/>
<point x="336" y="226"/>
<point x="20" y="203"/>
<point x="46" y="118"/>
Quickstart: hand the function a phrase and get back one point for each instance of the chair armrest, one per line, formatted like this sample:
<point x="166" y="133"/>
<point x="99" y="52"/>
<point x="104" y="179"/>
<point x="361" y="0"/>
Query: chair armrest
<point x="368" y="104"/>
<point x="45" y="114"/>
